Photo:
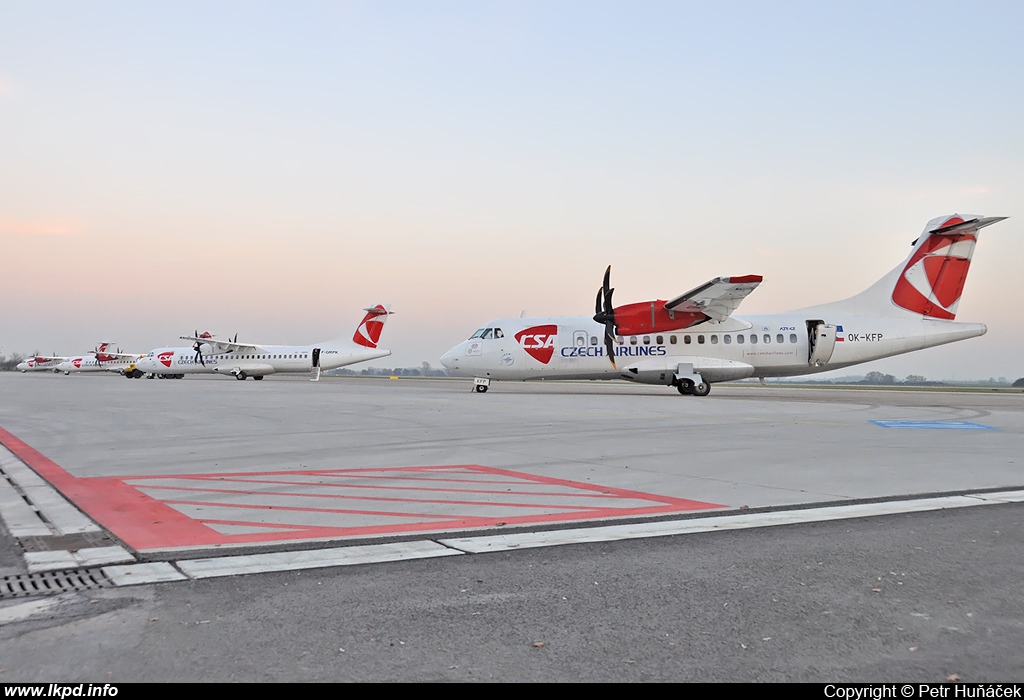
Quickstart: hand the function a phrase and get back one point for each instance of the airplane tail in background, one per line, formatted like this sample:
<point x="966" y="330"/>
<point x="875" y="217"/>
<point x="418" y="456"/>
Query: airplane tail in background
<point x="101" y="353"/>
<point x="930" y="281"/>
<point x="368" y="332"/>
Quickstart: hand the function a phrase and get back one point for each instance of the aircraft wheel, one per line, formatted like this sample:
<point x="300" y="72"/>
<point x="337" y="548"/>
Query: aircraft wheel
<point x="67" y="373"/>
<point x="685" y="388"/>
<point x="258" y="377"/>
<point x="702" y="389"/>
<point x="240" y="376"/>
<point x="481" y="389"/>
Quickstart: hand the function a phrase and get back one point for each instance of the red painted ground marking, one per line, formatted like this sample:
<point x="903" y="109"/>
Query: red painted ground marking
<point x="145" y="522"/>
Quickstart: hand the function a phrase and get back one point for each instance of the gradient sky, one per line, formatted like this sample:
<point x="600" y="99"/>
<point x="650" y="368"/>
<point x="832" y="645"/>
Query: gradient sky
<point x="269" y="169"/>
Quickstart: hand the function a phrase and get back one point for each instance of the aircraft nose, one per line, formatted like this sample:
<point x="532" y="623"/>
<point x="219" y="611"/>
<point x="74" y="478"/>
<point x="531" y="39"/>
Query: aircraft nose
<point x="448" y="359"/>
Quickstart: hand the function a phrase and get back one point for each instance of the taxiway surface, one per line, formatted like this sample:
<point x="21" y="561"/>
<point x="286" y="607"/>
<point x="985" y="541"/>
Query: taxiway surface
<point x="181" y="473"/>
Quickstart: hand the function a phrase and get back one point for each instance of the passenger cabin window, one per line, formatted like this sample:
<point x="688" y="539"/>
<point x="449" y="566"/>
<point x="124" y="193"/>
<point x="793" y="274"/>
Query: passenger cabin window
<point x="753" y="338"/>
<point x="632" y="340"/>
<point x="672" y="339"/>
<point x="659" y="340"/>
<point x="714" y="340"/>
<point x="687" y="339"/>
<point x="728" y="339"/>
<point x="780" y="338"/>
<point x="767" y="338"/>
<point x="792" y="337"/>
<point x="593" y="340"/>
<point x="647" y="340"/>
<point x="700" y="339"/>
<point x="739" y="338"/>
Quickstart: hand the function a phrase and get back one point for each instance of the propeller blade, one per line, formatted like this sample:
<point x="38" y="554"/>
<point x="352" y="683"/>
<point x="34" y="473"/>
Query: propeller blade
<point x="604" y="313"/>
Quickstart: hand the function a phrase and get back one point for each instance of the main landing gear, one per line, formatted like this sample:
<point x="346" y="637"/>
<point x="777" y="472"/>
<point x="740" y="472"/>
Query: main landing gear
<point x="242" y="376"/>
<point x="688" y="387"/>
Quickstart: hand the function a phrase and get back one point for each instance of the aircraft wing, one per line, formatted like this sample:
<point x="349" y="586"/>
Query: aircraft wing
<point x="230" y="345"/>
<point x="717" y="299"/>
<point x="108" y="354"/>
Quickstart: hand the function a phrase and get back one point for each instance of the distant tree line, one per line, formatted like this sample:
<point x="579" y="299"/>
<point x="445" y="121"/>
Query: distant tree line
<point x="881" y="379"/>
<point x="8" y="364"/>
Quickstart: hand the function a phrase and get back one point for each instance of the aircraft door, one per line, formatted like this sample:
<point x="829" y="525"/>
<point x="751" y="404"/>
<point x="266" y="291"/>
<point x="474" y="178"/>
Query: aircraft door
<point x="316" y="358"/>
<point x="578" y="343"/>
<point x="821" y="341"/>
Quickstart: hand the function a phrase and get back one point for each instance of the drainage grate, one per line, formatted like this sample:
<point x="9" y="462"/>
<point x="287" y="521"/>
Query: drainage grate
<point x="50" y="582"/>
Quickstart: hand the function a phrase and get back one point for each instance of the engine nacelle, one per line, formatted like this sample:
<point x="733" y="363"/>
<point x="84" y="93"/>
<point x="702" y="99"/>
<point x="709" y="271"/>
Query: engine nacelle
<point x="653" y="317"/>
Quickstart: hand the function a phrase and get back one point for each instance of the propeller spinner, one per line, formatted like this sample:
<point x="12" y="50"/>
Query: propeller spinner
<point x="604" y="312"/>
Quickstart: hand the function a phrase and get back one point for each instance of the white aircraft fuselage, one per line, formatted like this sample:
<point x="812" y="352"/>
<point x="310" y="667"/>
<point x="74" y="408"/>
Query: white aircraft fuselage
<point x="86" y="363"/>
<point x="268" y="359"/>
<point x="778" y="345"/>
<point x="39" y="364"/>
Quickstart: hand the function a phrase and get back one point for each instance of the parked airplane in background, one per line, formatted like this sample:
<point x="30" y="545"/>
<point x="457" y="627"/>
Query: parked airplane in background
<point x="102" y="359"/>
<point x="209" y="355"/>
<point x="693" y="340"/>
<point x="40" y="362"/>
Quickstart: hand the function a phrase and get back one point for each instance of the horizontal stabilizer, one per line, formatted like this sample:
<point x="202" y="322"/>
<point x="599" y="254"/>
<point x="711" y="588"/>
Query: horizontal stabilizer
<point x="967" y="226"/>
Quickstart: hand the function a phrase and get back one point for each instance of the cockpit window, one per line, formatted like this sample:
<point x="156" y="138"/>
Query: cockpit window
<point x="498" y="333"/>
<point x="480" y="333"/>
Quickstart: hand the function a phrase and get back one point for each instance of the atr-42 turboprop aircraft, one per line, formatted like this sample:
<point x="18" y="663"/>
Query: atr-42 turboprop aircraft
<point x="40" y="362"/>
<point x="693" y="340"/>
<point x="102" y="359"/>
<point x="210" y="355"/>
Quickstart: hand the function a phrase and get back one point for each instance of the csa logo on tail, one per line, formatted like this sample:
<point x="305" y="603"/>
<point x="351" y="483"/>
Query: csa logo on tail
<point x="539" y="342"/>
<point x="933" y="279"/>
<point x="369" y="330"/>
